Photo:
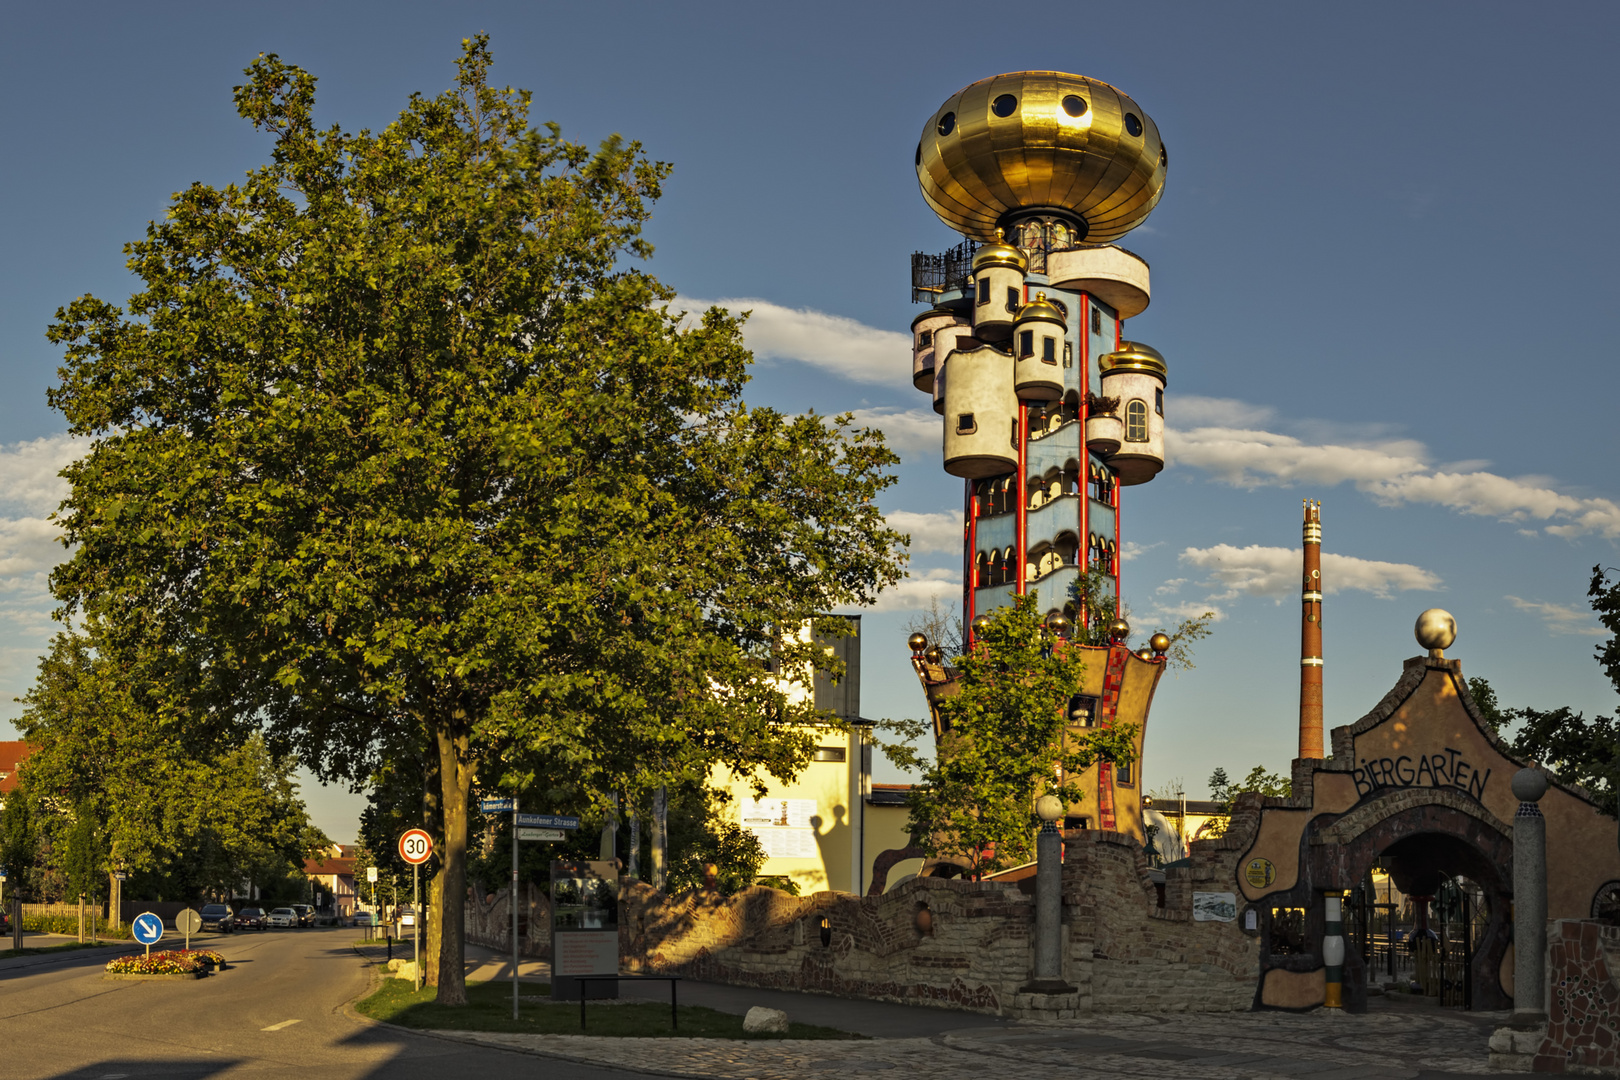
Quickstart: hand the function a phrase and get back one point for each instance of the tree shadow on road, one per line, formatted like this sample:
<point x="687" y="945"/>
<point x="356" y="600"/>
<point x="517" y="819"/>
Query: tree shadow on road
<point x="178" y="1069"/>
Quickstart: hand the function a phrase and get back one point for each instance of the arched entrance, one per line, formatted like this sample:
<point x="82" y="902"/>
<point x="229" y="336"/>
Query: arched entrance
<point x="1425" y="845"/>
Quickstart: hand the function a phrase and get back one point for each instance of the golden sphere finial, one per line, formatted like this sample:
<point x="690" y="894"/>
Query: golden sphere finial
<point x="1041" y="143"/>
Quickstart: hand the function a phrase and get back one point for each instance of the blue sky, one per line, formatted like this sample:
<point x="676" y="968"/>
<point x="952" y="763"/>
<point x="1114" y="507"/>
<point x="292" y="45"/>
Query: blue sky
<point x="1383" y="277"/>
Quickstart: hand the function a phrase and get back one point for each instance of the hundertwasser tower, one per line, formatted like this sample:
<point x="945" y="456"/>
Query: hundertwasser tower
<point x="1048" y="410"/>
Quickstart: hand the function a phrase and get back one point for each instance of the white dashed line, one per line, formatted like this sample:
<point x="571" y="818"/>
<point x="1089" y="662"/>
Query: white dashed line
<point x="283" y="1024"/>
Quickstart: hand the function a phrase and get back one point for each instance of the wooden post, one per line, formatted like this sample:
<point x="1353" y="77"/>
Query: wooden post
<point x="81" y="918"/>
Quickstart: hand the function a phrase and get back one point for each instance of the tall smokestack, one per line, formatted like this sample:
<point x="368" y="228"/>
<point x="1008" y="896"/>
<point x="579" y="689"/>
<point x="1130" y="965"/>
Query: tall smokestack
<point x="1310" y="638"/>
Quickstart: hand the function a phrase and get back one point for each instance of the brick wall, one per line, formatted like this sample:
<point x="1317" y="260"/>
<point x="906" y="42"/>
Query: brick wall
<point x="1583" y="999"/>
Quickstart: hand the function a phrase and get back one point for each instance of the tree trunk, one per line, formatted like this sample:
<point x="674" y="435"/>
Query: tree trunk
<point x="433" y="822"/>
<point x="456" y="775"/>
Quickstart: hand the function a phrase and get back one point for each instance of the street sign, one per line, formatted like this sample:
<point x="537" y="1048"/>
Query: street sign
<point x="415" y="845"/>
<point x="147" y="928"/>
<point x="2" y="873"/>
<point x="548" y="821"/>
<point x="542" y="834"/>
<point x="371" y="874"/>
<point x="118" y="875"/>
<point x="188" y="922"/>
<point x="492" y="806"/>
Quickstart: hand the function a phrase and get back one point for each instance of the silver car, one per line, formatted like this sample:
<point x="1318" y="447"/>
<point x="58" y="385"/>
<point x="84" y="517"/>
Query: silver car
<point x="282" y="917"/>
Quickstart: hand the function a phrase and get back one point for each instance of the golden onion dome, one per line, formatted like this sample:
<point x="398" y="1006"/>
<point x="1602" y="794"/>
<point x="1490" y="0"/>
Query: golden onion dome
<point x="1134" y="356"/>
<point x="1041" y="309"/>
<point x="1000" y="253"/>
<point x="1041" y="142"/>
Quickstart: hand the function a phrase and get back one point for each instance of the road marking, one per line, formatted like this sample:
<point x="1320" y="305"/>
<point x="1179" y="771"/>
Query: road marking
<point x="283" y="1024"/>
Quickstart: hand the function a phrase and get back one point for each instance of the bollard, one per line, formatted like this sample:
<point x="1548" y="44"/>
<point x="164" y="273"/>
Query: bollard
<point x="1048" y="975"/>
<point x="1529" y="902"/>
<point x="1333" y="954"/>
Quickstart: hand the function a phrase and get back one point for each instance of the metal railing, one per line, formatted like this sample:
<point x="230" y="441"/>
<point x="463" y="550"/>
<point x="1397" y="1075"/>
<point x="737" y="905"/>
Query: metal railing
<point x="934" y="274"/>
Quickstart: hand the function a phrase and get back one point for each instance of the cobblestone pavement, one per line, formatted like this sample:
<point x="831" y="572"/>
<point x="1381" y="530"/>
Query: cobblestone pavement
<point x="1321" y="1045"/>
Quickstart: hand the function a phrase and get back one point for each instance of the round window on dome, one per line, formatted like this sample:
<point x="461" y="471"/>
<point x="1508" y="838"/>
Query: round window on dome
<point x="1074" y="105"/>
<point x="1133" y="123"/>
<point x="1004" y="105"/>
<point x="947" y="123"/>
<point x="1164" y="157"/>
<point x="919" y="154"/>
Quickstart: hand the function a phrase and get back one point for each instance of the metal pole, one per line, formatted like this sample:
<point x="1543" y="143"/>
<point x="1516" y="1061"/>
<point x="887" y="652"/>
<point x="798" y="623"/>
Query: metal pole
<point x="1529" y="902"/>
<point x="1048" y="974"/>
<point x="416" y="923"/>
<point x="514" y="907"/>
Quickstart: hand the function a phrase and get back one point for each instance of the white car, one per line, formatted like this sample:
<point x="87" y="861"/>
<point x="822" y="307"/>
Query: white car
<point x="282" y="916"/>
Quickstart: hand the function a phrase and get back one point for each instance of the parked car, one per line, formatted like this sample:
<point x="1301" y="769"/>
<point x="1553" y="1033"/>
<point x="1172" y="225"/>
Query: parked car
<point x="306" y="914"/>
<point x="5" y="924"/>
<point x="406" y="915"/>
<point x="217" y="917"/>
<point x="283" y="917"/>
<point x="250" y="918"/>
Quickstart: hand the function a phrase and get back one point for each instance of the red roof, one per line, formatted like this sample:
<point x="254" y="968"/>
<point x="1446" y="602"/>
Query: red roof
<point x="332" y="864"/>
<point x="12" y="754"/>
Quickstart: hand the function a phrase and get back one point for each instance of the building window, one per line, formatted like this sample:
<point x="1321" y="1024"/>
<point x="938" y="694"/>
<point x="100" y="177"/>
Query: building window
<point x="1048" y="350"/>
<point x="1288" y="931"/>
<point x="965" y="424"/>
<point x="828" y="753"/>
<point x="984" y="290"/>
<point x="1096" y="319"/>
<point x="1136" y="421"/>
<point x="1014" y="295"/>
<point x="925" y="339"/>
<point x="1068" y="355"/>
<point x="1123" y="772"/>
<point x="1082" y="710"/>
<point x="1026" y="343"/>
<point x="1158" y="401"/>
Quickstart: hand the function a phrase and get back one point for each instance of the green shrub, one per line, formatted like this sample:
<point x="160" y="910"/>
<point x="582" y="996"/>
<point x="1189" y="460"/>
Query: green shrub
<point x="69" y="924"/>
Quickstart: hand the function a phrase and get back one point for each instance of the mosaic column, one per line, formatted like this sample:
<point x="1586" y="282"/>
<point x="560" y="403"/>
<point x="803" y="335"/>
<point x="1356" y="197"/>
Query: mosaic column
<point x="1529" y="902"/>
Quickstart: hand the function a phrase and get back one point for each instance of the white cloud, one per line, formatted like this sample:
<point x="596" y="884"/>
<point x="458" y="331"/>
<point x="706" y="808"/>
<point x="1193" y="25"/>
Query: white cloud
<point x="1561" y="618"/>
<point x="1390" y="471"/>
<point x="833" y="343"/>
<point x="919" y="590"/>
<point x="1275" y="571"/>
<point x="28" y="479"/>
<point x="1196" y="410"/>
<point x="906" y="430"/>
<point x="929" y="532"/>
<point x="1132" y="550"/>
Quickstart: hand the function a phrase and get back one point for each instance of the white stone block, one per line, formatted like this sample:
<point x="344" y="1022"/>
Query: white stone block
<point x="761" y="1019"/>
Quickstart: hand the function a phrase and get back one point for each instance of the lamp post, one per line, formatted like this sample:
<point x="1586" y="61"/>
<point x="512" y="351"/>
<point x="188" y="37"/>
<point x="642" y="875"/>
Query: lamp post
<point x="1048" y="975"/>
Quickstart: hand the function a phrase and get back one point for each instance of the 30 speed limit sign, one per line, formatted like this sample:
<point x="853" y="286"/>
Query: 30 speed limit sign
<point x="415" y="845"/>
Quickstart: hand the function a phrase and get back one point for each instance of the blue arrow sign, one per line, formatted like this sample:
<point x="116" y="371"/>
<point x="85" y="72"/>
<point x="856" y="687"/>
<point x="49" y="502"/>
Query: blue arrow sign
<point x="548" y="821"/>
<point x="490" y="806"/>
<point x="147" y="928"/>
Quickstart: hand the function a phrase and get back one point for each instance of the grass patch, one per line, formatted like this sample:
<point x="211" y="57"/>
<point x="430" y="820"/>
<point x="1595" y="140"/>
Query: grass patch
<point x="7" y="954"/>
<point x="489" y="1008"/>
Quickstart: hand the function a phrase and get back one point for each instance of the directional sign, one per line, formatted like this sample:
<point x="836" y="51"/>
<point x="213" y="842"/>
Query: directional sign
<point x="415" y="845"/>
<point x="548" y="821"/>
<point x="147" y="928"/>
<point x="188" y="922"/>
<point x="118" y="875"/>
<point x="492" y="806"/>
<point x="371" y="874"/>
<point x="2" y="873"/>
<point x="542" y="834"/>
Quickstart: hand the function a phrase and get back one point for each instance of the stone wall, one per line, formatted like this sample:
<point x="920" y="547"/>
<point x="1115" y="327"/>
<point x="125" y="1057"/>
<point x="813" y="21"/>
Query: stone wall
<point x="1583" y="999"/>
<point x="489" y="920"/>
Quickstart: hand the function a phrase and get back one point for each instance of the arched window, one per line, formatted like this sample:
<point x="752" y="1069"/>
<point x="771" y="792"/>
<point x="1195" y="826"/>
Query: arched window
<point x="981" y="576"/>
<point x="1136" y="421"/>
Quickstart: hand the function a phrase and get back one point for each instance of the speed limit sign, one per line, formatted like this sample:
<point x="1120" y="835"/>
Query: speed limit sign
<point x="415" y="845"/>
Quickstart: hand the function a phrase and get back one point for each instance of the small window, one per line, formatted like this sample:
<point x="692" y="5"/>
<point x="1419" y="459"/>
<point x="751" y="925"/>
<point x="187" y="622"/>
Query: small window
<point x="1133" y="123"/>
<point x="1026" y="343"/>
<point x="1082" y="711"/>
<point x="1136" y="428"/>
<point x="1158" y="402"/>
<point x="1014" y="296"/>
<point x="965" y="424"/>
<point x="984" y="290"/>
<point x="925" y="339"/>
<point x="919" y="154"/>
<point x="828" y="753"/>
<point x="1048" y="350"/>
<point x="1074" y="105"/>
<point x="1096" y="319"/>
<point x="1122" y="773"/>
<point x="1006" y="103"/>
<point x="1068" y="355"/>
<point x="947" y="124"/>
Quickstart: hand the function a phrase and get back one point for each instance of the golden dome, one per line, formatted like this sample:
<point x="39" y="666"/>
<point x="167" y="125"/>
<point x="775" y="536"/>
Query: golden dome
<point x="1041" y="309"/>
<point x="1000" y="253"/>
<point x="1134" y="356"/>
<point x="1035" y="142"/>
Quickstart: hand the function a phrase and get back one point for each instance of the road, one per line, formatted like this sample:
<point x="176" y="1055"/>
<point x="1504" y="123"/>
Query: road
<point x="278" y="1012"/>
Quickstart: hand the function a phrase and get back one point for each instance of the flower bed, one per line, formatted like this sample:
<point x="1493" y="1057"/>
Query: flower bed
<point x="168" y="962"/>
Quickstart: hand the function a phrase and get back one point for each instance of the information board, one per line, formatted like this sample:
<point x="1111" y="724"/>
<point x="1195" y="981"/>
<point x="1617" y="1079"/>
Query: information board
<point x="584" y="927"/>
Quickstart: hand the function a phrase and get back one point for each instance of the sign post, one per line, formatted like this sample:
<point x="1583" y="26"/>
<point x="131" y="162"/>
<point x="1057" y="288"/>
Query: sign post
<point x="584" y="928"/>
<point x="147" y="929"/>
<point x="188" y="922"/>
<point x="415" y="845"/>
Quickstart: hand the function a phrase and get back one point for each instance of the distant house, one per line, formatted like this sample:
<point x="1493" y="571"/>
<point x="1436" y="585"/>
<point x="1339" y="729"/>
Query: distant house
<point x="333" y="878"/>
<point x="12" y="754"/>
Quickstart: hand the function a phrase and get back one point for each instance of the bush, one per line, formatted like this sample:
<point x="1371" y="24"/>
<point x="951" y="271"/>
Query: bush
<point x="69" y="924"/>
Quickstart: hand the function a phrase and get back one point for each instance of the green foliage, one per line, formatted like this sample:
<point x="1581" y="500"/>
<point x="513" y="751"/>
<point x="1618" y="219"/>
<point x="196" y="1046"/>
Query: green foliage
<point x="1093" y="595"/>
<point x="1485" y="701"/>
<point x="121" y="776"/>
<point x="69" y="924"/>
<point x="1187" y="633"/>
<point x="398" y="447"/>
<point x="1225" y="791"/>
<point x="1006" y="743"/>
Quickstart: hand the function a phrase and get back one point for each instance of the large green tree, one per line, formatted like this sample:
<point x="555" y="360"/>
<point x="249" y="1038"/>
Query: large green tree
<point x="1007" y="741"/>
<point x="400" y="446"/>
